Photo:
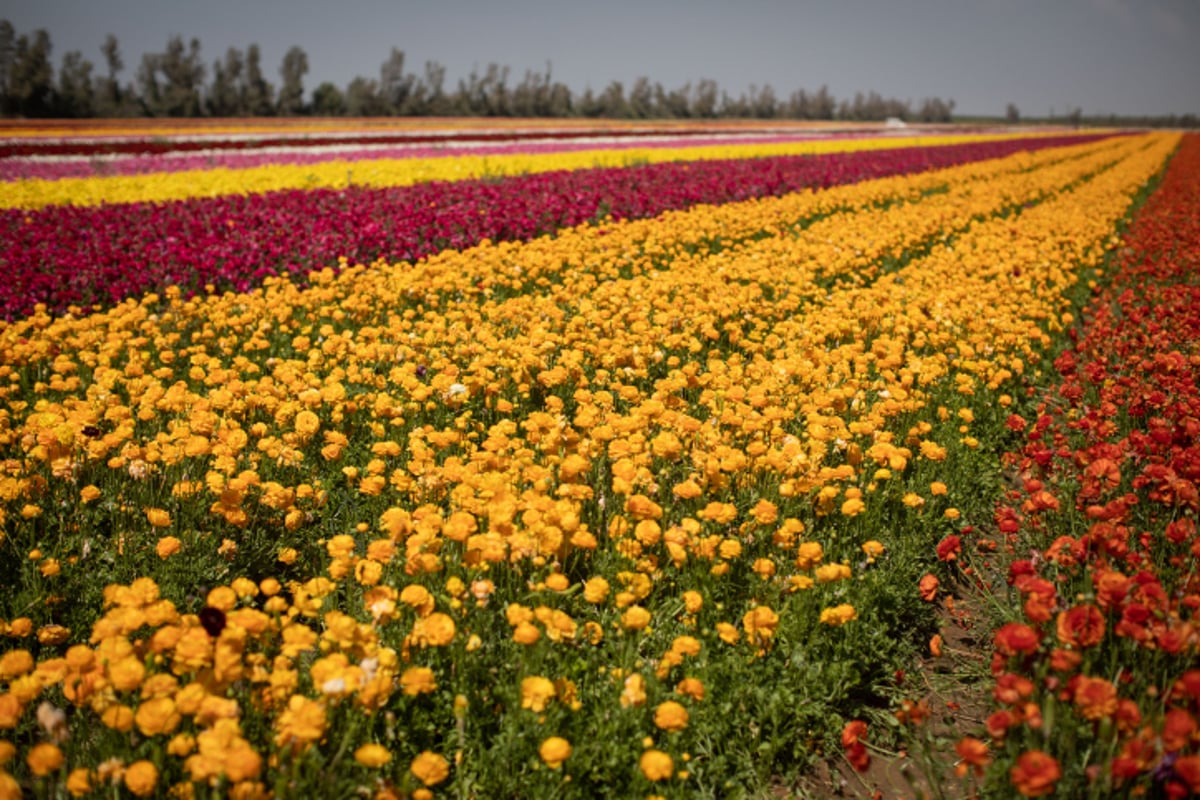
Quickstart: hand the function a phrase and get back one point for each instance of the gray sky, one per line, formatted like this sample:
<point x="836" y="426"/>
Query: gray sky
<point x="1104" y="56"/>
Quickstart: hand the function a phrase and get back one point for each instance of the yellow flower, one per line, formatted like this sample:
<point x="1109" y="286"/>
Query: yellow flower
<point x="418" y="680"/>
<point x="44" y="758"/>
<point x="937" y="488"/>
<point x="595" y="590"/>
<point x="656" y="765"/>
<point x="158" y="518"/>
<point x="372" y="755"/>
<point x="141" y="778"/>
<point x="157" y="716"/>
<point x="635" y="618"/>
<point x="838" y="615"/>
<point x="873" y="549"/>
<point x="671" y="716"/>
<point x="634" y="691"/>
<point x="828" y="573"/>
<point x="554" y="751"/>
<point x="536" y="692"/>
<point x="301" y="723"/>
<point x="809" y="554"/>
<point x="430" y="768"/>
<point x="436" y="630"/>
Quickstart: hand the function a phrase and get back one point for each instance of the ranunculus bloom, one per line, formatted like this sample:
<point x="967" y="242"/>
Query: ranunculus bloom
<point x="1015" y="638"/>
<point x="536" y="692"/>
<point x="928" y="587"/>
<point x="141" y="777"/>
<point x="1096" y="698"/>
<point x="657" y="765"/>
<point x="44" y="758"/>
<point x="838" y="615"/>
<point x="671" y="716"/>
<point x="973" y="754"/>
<point x="1080" y="626"/>
<point x="554" y="751"/>
<point x="372" y="755"/>
<point x="430" y="768"/>
<point x="1035" y="774"/>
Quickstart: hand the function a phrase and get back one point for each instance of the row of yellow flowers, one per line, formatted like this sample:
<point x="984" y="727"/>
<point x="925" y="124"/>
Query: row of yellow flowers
<point x="159" y="187"/>
<point x="572" y="484"/>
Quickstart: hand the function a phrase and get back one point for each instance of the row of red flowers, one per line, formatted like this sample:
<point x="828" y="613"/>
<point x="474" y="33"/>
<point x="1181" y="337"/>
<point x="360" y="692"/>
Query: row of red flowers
<point x="1096" y="690"/>
<point x="71" y="256"/>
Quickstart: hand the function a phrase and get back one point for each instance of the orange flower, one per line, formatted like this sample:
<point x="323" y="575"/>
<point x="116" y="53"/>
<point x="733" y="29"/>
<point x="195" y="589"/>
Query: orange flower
<point x="168" y="546"/>
<point x="1035" y="774"/>
<point x="44" y="758"/>
<point x="671" y="716"/>
<point x="1095" y="697"/>
<point x="928" y="587"/>
<point x="973" y="755"/>
<point x="656" y="765"/>
<point x="141" y="777"/>
<point x="372" y="755"/>
<point x="418" y="680"/>
<point x="430" y="768"/>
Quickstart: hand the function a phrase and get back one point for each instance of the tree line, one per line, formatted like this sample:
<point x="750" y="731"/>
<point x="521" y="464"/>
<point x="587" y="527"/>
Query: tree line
<point x="177" y="82"/>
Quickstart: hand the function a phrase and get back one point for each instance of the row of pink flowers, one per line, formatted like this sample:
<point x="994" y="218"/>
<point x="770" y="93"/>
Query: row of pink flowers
<point x="66" y="256"/>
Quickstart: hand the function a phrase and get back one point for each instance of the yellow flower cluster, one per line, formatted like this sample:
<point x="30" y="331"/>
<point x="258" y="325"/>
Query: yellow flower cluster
<point x="159" y="187"/>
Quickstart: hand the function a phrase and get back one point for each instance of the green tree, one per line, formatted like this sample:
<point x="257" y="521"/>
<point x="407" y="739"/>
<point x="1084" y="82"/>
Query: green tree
<point x="183" y="72"/>
<point x="363" y="99"/>
<point x="75" y="96"/>
<point x="328" y="101"/>
<point x="109" y="99"/>
<point x="1012" y="115"/>
<point x="292" y="72"/>
<point x="31" y="77"/>
<point x="8" y="55"/>
<point x="395" y="88"/>
<point x="256" y="93"/>
<point x="224" y="97"/>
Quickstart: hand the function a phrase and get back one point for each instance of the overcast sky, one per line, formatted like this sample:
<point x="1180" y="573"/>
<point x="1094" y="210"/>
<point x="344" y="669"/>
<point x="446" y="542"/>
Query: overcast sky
<point x="1104" y="56"/>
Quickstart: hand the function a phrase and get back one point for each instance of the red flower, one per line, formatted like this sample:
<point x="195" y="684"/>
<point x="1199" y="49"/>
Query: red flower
<point x="1015" y="638"/>
<point x="852" y="742"/>
<point x="949" y="548"/>
<point x="1081" y="626"/>
<point x="1035" y="774"/>
<point x="973" y="754"/>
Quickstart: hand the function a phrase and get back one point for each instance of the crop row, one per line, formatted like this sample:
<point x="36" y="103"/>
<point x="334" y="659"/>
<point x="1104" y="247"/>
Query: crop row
<point x="1094" y="680"/>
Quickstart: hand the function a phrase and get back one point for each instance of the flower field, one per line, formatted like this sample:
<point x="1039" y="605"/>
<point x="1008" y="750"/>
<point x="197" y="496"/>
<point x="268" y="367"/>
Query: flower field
<point x="582" y="468"/>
